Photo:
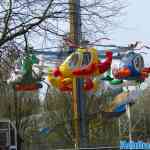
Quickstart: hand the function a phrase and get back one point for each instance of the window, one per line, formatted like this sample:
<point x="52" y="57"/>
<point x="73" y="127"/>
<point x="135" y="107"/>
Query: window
<point x="138" y="62"/>
<point x="133" y="59"/>
<point x="73" y="60"/>
<point x="86" y="58"/>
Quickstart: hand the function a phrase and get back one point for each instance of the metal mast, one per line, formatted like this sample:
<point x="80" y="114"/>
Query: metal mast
<point x="78" y="103"/>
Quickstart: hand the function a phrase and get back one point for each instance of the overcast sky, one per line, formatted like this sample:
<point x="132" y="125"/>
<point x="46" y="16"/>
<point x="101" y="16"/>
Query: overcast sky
<point x="136" y="23"/>
<point x="135" y="26"/>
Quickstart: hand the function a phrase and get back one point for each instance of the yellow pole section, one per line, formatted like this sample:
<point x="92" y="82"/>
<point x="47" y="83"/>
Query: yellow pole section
<point x="75" y="113"/>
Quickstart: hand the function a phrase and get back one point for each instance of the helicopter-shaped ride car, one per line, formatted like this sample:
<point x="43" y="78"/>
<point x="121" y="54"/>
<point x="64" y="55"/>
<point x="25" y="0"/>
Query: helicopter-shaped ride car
<point x="23" y="78"/>
<point x="131" y="69"/>
<point x="84" y="63"/>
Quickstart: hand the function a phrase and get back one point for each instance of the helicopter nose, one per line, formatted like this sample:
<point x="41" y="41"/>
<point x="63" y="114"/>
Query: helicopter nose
<point x="122" y="72"/>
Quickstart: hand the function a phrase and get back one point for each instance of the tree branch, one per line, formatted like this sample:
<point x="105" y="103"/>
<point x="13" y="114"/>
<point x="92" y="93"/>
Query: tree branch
<point x="26" y="28"/>
<point x="7" y="19"/>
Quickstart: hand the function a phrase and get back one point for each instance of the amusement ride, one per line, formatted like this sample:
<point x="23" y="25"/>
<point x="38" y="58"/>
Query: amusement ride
<point x="85" y="63"/>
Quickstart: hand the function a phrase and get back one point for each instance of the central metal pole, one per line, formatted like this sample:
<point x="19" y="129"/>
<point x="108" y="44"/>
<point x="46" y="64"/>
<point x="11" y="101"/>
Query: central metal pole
<point x="75" y="35"/>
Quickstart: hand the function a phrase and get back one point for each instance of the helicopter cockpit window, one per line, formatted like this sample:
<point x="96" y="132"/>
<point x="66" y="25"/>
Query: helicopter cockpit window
<point x="73" y="61"/>
<point x="127" y="59"/>
<point x="133" y="59"/>
<point x="138" y="63"/>
<point x="86" y="58"/>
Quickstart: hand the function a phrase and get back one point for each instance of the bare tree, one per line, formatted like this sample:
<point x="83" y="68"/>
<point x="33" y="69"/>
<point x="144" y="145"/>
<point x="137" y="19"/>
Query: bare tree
<point x="99" y="16"/>
<point x="47" y="20"/>
<point x="20" y="17"/>
<point x="43" y="20"/>
<point x="51" y="16"/>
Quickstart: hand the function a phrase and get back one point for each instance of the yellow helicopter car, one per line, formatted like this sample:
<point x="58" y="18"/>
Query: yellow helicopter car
<point x="84" y="63"/>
